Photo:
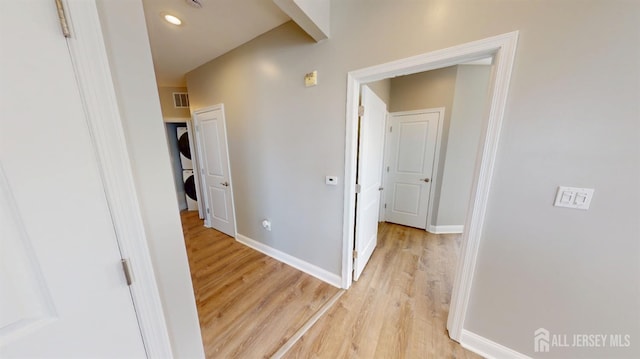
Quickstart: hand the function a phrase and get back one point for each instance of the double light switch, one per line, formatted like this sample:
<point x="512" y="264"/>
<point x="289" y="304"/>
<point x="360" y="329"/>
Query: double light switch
<point x="572" y="197"/>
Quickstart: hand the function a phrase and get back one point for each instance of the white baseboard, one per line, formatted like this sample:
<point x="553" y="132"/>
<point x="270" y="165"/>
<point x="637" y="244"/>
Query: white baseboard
<point x="487" y="348"/>
<point x="445" y="229"/>
<point x="311" y="269"/>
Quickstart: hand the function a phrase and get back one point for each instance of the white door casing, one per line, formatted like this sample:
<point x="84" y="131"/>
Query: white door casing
<point x="502" y="48"/>
<point x="215" y="173"/>
<point x="412" y="140"/>
<point x="371" y="149"/>
<point x="63" y="291"/>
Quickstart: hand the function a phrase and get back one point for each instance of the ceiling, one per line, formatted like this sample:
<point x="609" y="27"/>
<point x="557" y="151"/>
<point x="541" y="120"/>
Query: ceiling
<point x="206" y="33"/>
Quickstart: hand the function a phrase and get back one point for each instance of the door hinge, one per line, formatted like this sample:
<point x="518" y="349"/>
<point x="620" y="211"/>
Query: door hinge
<point x="62" y="17"/>
<point x="127" y="271"/>
<point x="208" y="211"/>
<point x="387" y="168"/>
<point x="385" y="206"/>
<point x="197" y="128"/>
<point x="360" y="110"/>
<point x="202" y="171"/>
<point x="358" y="188"/>
<point x="390" y="128"/>
<point x="355" y="254"/>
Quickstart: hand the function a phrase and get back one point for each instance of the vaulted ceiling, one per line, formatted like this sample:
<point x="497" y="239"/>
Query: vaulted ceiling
<point x="205" y="33"/>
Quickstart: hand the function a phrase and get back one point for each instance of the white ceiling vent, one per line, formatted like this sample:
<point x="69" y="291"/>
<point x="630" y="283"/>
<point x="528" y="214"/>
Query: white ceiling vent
<point x="194" y="3"/>
<point x="181" y="100"/>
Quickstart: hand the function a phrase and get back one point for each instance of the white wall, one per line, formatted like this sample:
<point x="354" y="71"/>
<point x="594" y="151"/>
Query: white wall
<point x="132" y="69"/>
<point x="465" y="128"/>
<point x="572" y="118"/>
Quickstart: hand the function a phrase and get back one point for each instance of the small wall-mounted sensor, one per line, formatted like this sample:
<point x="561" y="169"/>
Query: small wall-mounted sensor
<point x="311" y="79"/>
<point x="331" y="180"/>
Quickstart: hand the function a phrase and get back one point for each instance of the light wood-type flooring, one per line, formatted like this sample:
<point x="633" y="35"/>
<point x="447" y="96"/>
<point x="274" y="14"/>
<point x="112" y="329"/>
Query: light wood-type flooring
<point x="249" y="304"/>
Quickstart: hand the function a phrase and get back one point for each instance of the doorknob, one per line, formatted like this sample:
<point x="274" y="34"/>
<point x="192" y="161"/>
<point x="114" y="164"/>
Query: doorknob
<point x="226" y="184"/>
<point x="425" y="180"/>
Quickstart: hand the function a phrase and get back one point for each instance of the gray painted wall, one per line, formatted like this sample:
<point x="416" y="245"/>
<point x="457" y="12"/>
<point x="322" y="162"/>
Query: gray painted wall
<point x="382" y="88"/>
<point x="465" y="128"/>
<point x="572" y="118"/>
<point x="132" y="70"/>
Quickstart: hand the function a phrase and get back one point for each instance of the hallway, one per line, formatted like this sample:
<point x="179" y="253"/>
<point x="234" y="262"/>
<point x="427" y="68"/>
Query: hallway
<point x="249" y="304"/>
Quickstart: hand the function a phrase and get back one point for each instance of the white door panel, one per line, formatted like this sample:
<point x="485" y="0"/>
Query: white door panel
<point x="216" y="179"/>
<point x="411" y="149"/>
<point x="219" y="208"/>
<point x="371" y="150"/>
<point x="212" y="148"/>
<point x="410" y="155"/>
<point x="406" y="198"/>
<point x="62" y="289"/>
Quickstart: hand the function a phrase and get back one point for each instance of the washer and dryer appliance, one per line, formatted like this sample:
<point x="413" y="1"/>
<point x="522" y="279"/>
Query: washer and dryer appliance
<point x="190" y="190"/>
<point x="187" y="168"/>
<point x="185" y="148"/>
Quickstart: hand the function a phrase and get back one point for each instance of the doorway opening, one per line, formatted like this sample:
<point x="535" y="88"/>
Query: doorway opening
<point x="502" y="51"/>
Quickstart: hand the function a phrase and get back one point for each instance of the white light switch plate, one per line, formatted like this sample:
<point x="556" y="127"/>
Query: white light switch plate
<point x="572" y="197"/>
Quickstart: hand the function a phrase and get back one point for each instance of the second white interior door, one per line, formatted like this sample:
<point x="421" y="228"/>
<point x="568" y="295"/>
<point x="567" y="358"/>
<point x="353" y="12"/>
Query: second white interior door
<point x="411" y="150"/>
<point x="213" y="160"/>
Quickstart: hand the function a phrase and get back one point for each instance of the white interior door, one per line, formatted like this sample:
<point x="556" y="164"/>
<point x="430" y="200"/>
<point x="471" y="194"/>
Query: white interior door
<point x="213" y="156"/>
<point x="370" y="152"/>
<point x="62" y="289"/>
<point x="411" y="150"/>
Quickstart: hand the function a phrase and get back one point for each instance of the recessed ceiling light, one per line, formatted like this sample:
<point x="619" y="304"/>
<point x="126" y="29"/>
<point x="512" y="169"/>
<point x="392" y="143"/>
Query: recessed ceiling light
<point x="172" y="19"/>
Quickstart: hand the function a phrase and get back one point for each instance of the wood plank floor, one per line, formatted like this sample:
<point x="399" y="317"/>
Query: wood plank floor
<point x="399" y="306"/>
<point x="249" y="304"/>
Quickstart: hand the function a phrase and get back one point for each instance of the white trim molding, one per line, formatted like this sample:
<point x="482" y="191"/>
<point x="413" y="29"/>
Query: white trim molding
<point x="93" y="73"/>
<point x="502" y="48"/>
<point x="487" y="348"/>
<point x="450" y="229"/>
<point x="285" y="258"/>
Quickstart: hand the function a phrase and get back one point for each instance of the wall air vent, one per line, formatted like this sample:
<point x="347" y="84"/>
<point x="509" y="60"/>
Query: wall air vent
<point x="181" y="100"/>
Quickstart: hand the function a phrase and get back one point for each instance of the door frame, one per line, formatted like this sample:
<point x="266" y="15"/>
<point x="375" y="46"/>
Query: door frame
<point x="436" y="159"/>
<point x="99" y="99"/>
<point x="502" y="48"/>
<point x="198" y="146"/>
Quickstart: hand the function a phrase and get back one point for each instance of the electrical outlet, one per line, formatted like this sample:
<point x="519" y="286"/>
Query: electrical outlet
<point x="266" y="224"/>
